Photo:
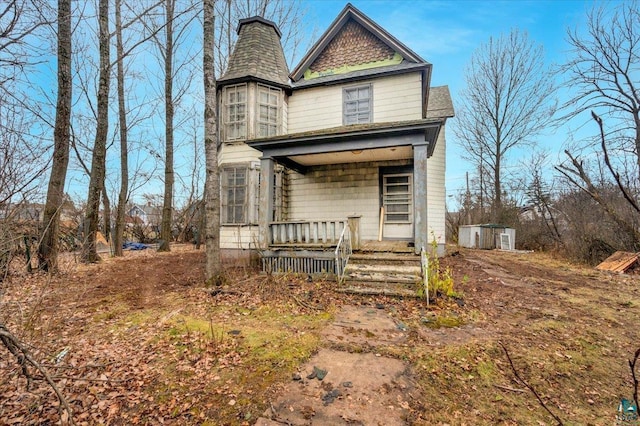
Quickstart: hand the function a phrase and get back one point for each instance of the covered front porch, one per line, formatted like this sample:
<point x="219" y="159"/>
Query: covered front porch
<point x="364" y="186"/>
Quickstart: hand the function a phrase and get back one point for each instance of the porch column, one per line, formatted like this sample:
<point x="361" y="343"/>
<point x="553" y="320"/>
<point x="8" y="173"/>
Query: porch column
<point x="266" y="200"/>
<point x="421" y="225"/>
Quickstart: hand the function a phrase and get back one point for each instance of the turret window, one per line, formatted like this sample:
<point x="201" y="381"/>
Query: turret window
<point x="268" y="111"/>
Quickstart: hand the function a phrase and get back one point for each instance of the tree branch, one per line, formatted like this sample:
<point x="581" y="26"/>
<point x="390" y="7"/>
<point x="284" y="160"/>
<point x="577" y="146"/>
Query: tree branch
<point x="23" y="357"/>
<point x="528" y="386"/>
<point x="615" y="174"/>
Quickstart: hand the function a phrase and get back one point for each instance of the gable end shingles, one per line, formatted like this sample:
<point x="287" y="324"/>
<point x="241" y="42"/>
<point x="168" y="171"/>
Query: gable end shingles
<point x="353" y="45"/>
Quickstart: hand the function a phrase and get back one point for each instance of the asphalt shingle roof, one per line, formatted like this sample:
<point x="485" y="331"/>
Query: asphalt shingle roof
<point x="258" y="53"/>
<point x="440" y="104"/>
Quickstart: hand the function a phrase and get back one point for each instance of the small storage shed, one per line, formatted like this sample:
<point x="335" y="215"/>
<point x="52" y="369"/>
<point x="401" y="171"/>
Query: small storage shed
<point x="487" y="236"/>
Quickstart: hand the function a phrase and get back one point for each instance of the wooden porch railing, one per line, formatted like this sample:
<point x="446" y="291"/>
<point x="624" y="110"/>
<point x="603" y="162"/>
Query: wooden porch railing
<point x="309" y="247"/>
<point x="307" y="232"/>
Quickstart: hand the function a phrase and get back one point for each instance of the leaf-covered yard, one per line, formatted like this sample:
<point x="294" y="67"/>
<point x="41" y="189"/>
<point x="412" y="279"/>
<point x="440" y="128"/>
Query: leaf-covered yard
<point x="139" y="340"/>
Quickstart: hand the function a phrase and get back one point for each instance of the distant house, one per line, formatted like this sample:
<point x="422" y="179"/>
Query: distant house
<point x="349" y="144"/>
<point x="29" y="212"/>
<point x="144" y="214"/>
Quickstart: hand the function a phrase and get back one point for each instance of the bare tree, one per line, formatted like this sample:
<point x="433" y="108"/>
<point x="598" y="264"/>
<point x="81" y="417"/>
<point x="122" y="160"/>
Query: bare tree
<point x="23" y="149"/>
<point x="212" y="184"/>
<point x="124" y="145"/>
<point x="288" y="14"/>
<point x="603" y="74"/>
<point x="176" y="54"/>
<point x="169" y="178"/>
<point x="48" y="250"/>
<point x="603" y="77"/>
<point x="508" y="100"/>
<point x="96" y="180"/>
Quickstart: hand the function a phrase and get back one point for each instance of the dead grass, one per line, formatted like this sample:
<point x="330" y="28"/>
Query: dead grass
<point x="151" y="345"/>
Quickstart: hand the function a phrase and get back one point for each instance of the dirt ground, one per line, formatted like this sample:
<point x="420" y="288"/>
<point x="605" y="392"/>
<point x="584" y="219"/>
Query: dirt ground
<point x="139" y="340"/>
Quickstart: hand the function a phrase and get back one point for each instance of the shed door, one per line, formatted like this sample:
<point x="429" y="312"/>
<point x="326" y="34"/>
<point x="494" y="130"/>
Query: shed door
<point x="397" y="201"/>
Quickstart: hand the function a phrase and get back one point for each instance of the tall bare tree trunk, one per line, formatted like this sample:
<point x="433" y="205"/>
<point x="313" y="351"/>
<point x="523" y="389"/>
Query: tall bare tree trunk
<point x="96" y="181"/>
<point x="48" y="250"/>
<point x="124" y="148"/>
<point x="212" y="184"/>
<point x="496" y="214"/>
<point x="167" y="208"/>
<point x="106" y="211"/>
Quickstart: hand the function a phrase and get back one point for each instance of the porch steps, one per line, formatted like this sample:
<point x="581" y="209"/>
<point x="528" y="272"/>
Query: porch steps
<point x="382" y="274"/>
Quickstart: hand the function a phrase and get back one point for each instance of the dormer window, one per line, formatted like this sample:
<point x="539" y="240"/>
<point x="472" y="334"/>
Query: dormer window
<point x="356" y="105"/>
<point x="236" y="112"/>
<point x="268" y="111"/>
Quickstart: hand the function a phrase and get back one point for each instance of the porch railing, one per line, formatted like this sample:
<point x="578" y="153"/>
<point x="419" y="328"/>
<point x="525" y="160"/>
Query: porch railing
<point x="307" y="232"/>
<point x="342" y="252"/>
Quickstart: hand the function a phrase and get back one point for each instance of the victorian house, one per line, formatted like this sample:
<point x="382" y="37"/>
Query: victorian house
<point x="344" y="152"/>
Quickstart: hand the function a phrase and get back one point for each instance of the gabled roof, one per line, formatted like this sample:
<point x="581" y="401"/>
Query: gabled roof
<point x="350" y="16"/>
<point x="257" y="54"/>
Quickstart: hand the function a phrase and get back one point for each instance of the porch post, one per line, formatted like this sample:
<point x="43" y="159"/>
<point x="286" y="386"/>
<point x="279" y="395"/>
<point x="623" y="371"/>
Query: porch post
<point x="266" y="200"/>
<point x="421" y="225"/>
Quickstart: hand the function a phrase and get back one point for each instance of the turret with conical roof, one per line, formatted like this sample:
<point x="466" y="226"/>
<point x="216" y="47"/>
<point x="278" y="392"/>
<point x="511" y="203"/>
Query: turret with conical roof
<point x="258" y="55"/>
<point x="253" y="90"/>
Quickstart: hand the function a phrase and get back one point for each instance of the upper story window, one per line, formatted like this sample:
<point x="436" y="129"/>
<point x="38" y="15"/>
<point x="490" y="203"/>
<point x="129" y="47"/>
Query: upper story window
<point x="236" y="112"/>
<point x="268" y="111"/>
<point x="356" y="105"/>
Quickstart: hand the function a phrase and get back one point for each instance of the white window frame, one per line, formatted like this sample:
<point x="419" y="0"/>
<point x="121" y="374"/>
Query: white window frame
<point x="390" y="198"/>
<point x="250" y="203"/>
<point x="232" y="202"/>
<point x="236" y="112"/>
<point x="273" y="107"/>
<point x="356" y="107"/>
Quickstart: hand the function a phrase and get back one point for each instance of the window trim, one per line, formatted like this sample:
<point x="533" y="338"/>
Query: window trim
<point x="251" y="203"/>
<point x="227" y="111"/>
<point x="387" y="198"/>
<point x="224" y="199"/>
<point x="368" y="86"/>
<point x="277" y="122"/>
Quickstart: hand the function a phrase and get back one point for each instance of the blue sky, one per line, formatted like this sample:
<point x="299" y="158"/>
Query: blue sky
<point x="446" y="33"/>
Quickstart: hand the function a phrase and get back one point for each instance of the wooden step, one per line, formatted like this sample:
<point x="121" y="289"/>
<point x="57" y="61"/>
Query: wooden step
<point x="378" y="291"/>
<point x="390" y="274"/>
<point x="384" y="269"/>
<point x="384" y="259"/>
<point x="381" y="278"/>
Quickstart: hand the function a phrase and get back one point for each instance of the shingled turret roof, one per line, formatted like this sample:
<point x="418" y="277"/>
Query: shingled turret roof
<point x="257" y="55"/>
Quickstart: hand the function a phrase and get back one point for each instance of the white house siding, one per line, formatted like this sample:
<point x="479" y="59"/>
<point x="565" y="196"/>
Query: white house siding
<point x="436" y="194"/>
<point x="315" y="108"/>
<point x="239" y="237"/>
<point x="238" y="153"/>
<point x="395" y="98"/>
<point x="284" y="122"/>
<point x="336" y="192"/>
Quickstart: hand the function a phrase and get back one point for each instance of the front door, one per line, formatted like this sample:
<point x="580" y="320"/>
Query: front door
<point x="397" y="205"/>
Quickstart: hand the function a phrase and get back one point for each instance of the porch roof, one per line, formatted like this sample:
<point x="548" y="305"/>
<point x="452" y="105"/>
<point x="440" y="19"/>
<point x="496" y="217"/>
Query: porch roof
<point x="290" y="149"/>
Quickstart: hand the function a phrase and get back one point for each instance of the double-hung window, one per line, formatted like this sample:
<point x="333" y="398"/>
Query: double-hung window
<point x="268" y="111"/>
<point x="357" y="105"/>
<point x="236" y="112"/>
<point x="234" y="195"/>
